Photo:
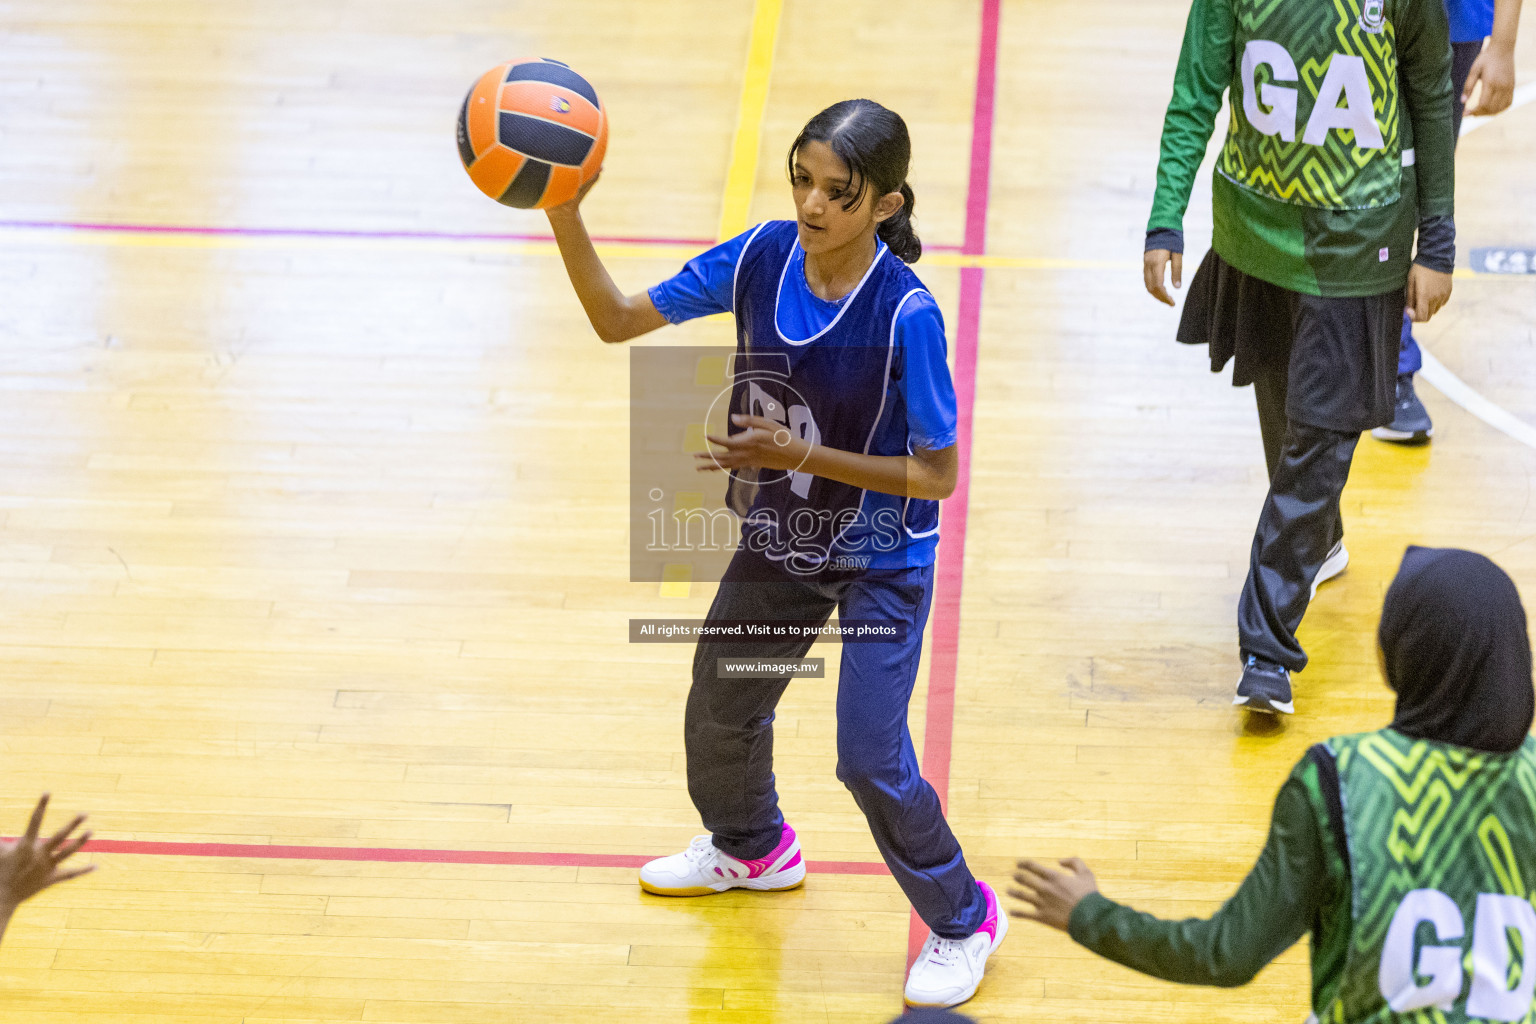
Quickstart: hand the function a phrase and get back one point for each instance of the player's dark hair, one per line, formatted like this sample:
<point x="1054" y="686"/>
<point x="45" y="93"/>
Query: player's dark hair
<point x="873" y="141"/>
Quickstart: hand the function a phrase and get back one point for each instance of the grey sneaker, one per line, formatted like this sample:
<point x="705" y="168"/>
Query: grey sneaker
<point x="1410" y="420"/>
<point x="1264" y="687"/>
<point x="1334" y="564"/>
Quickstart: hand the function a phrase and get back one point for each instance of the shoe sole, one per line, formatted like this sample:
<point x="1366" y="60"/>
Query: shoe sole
<point x="997" y="940"/>
<point x="768" y="883"/>
<point x="1326" y="573"/>
<point x="1405" y="437"/>
<point x="1264" y="706"/>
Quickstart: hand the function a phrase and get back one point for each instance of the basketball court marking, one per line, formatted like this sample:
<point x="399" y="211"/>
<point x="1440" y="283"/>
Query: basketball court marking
<point x="741" y="178"/>
<point x="1446" y="382"/>
<point x="949" y="574"/>
<point x="178" y="236"/>
<point x="123" y="233"/>
<point x="408" y="855"/>
<point x="1523" y="95"/>
<point x="1460" y="392"/>
<point x="200" y="230"/>
<point x="14" y="232"/>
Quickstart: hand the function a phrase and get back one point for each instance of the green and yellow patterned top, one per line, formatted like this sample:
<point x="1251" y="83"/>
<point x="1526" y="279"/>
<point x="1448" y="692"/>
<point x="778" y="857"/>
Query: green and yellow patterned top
<point x="1408" y="862"/>
<point x="1441" y="843"/>
<point x="1340" y="109"/>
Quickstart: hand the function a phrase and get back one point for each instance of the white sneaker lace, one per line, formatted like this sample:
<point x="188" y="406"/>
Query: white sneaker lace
<point x="944" y="952"/>
<point x="702" y="851"/>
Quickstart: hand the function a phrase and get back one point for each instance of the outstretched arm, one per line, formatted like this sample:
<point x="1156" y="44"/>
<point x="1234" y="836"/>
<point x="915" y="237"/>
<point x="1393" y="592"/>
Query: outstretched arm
<point x="615" y="316"/>
<point x="1274" y="907"/>
<point x="31" y="864"/>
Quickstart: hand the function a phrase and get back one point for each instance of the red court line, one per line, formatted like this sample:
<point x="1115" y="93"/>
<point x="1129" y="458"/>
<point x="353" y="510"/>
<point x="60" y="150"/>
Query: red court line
<point x="346" y="233"/>
<point x="396" y="855"/>
<point x="949" y="576"/>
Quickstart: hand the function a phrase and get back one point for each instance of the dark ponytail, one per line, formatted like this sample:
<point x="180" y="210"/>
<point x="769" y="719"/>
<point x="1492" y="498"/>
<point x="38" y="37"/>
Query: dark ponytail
<point x="873" y="141"/>
<point x="897" y="231"/>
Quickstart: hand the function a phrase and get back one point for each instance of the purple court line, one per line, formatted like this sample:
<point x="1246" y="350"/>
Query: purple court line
<point x="248" y="232"/>
<point x="399" y="855"/>
<point x="440" y="236"/>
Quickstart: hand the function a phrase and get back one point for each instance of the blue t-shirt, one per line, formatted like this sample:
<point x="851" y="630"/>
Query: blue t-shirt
<point x="707" y="285"/>
<point x="1471" y="20"/>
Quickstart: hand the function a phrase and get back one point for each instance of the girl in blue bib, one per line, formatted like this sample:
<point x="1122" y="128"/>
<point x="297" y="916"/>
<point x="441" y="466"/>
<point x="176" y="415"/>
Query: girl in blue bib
<point x="842" y="444"/>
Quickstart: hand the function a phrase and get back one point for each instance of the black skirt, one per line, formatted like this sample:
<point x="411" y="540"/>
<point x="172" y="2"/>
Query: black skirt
<point x="1338" y="356"/>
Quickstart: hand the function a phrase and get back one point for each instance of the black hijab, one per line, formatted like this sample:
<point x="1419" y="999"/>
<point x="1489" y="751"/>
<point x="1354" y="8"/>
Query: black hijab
<point x="1454" y="639"/>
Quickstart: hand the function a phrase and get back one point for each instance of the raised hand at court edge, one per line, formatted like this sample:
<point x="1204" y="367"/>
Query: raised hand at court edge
<point x="30" y="864"/>
<point x="1047" y="895"/>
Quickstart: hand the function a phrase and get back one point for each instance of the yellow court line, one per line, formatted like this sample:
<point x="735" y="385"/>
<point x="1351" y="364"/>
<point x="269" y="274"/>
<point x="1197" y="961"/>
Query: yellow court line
<point x="955" y="259"/>
<point x="741" y="179"/>
<point x="30" y="238"/>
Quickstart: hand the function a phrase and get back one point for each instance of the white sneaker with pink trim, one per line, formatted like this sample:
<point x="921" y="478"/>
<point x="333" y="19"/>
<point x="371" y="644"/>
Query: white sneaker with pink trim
<point x="704" y="869"/>
<point x="947" y="971"/>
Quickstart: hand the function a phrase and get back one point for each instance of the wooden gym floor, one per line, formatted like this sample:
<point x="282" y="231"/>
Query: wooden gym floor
<point x="313" y="565"/>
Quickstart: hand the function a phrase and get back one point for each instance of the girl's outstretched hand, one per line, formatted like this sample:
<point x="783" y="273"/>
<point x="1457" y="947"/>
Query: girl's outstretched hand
<point x="29" y="865"/>
<point x="765" y="444"/>
<point x="1049" y="896"/>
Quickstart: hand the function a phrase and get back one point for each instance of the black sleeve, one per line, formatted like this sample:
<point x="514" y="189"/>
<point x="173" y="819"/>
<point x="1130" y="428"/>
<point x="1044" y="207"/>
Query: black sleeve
<point x="1424" y="75"/>
<point x="1437" y="244"/>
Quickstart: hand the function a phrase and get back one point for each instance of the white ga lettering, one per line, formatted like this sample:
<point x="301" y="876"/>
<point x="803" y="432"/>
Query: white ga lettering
<point x="1440" y="963"/>
<point x="1346" y="77"/>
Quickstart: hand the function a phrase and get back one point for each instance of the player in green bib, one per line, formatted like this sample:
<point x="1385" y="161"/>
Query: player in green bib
<point x="1338" y="151"/>
<point x="1408" y="853"/>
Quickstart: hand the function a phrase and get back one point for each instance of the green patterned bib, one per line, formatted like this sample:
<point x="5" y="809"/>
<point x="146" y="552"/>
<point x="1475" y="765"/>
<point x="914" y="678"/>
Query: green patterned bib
<point x="1315" y="112"/>
<point x="1442" y="847"/>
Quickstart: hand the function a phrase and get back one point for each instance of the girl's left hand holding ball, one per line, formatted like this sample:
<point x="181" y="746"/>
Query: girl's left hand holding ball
<point x="765" y="444"/>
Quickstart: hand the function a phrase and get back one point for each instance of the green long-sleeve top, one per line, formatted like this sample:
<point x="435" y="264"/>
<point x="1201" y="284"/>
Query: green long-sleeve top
<point x="1300" y="883"/>
<point x="1322" y="180"/>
